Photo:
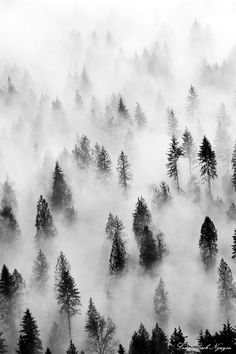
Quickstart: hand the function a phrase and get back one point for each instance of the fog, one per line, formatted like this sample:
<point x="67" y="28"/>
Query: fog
<point x="44" y="48"/>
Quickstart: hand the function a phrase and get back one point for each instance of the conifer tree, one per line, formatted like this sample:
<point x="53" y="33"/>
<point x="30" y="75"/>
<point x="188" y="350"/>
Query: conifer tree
<point x="148" y="249"/>
<point x="3" y="346"/>
<point x="68" y="296"/>
<point x="113" y="225"/>
<point x="29" y="340"/>
<point x="121" y="349"/>
<point x="226" y="289"/>
<point x="44" y="222"/>
<point x="82" y="153"/>
<point x="140" y="342"/>
<point x="72" y="349"/>
<point x="207" y="161"/>
<point x="9" y="195"/>
<point x="175" y="151"/>
<point x="100" y="331"/>
<point x="161" y="194"/>
<point x="189" y="149"/>
<point x="162" y="250"/>
<point x="122" y="109"/>
<point x="140" y="117"/>
<point x="159" y="341"/>
<point x="48" y="351"/>
<point x="104" y="164"/>
<point x="9" y="228"/>
<point x="161" y="304"/>
<point x="124" y="171"/>
<point x="118" y="256"/>
<point x="172" y="122"/>
<point x="233" y="164"/>
<point x="141" y="217"/>
<point x="227" y="338"/>
<point x="206" y="342"/>
<point x="208" y="243"/>
<point x="78" y="99"/>
<point x="192" y="103"/>
<point x="178" y="344"/>
<point x="234" y="245"/>
<point x="40" y="272"/>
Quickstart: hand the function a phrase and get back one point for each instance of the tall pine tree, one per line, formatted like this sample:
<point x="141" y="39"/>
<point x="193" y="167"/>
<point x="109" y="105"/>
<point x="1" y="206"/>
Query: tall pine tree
<point x="72" y="349"/>
<point x="208" y="243"/>
<point x="161" y="304"/>
<point x="148" y="250"/>
<point x="40" y="272"/>
<point x="175" y="151"/>
<point x="140" y="342"/>
<point x="44" y="222"/>
<point x="118" y="256"/>
<point x="159" y="341"/>
<point x="207" y="159"/>
<point x="178" y="344"/>
<point x="104" y="164"/>
<point x="189" y="149"/>
<point x="139" y="117"/>
<point x="141" y="217"/>
<point x="124" y="171"/>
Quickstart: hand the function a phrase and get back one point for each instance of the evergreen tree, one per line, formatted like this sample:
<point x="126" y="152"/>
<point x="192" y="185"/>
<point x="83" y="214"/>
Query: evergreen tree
<point x="68" y="296"/>
<point x="113" y="225"/>
<point x="82" y="154"/>
<point x="121" y="349"/>
<point x="100" y="331"/>
<point x="227" y="338"/>
<point x="140" y="342"/>
<point x="192" y="103"/>
<point x="9" y="228"/>
<point x="29" y="340"/>
<point x="124" y="171"/>
<point x="148" y="249"/>
<point x="140" y="117"/>
<point x="9" y="195"/>
<point x="208" y="243"/>
<point x="234" y="245"/>
<point x="162" y="250"/>
<point x="161" y="195"/>
<point x="206" y="342"/>
<point x="48" y="351"/>
<point x="189" y="149"/>
<point x="141" y="217"/>
<point x="226" y="289"/>
<point x="161" y="304"/>
<point x="3" y="347"/>
<point x="178" y="344"/>
<point x="72" y="349"/>
<point x="175" y="151"/>
<point x="78" y="99"/>
<point x="118" y="256"/>
<point x="233" y="164"/>
<point x="207" y="161"/>
<point x="159" y="341"/>
<point x="103" y="164"/>
<point x="40" y="272"/>
<point x="172" y="122"/>
<point x="44" y="222"/>
<point x="122" y="109"/>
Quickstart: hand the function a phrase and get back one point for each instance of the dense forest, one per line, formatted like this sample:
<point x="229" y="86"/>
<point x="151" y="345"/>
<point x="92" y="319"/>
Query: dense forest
<point x="118" y="177"/>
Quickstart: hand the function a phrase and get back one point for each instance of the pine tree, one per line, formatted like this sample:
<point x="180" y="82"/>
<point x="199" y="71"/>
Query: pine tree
<point x="234" y="245"/>
<point x="161" y="194"/>
<point x="175" y="151"/>
<point x="104" y="164"/>
<point x="9" y="228"/>
<point x="141" y="217"/>
<point x="121" y="349"/>
<point x="189" y="149"/>
<point x="40" y="272"/>
<point x="226" y="289"/>
<point x="3" y="347"/>
<point x="161" y="304"/>
<point x="178" y="343"/>
<point x="172" y="122"/>
<point x="192" y="103"/>
<point x="233" y="164"/>
<point x="118" y="256"/>
<point x="207" y="161"/>
<point x="159" y="341"/>
<point x="82" y="154"/>
<point x="29" y="340"/>
<point x="140" y="117"/>
<point x="48" y="351"/>
<point x="68" y="296"/>
<point x="72" y="349"/>
<point x="122" y="109"/>
<point x="208" y="243"/>
<point x="140" y="342"/>
<point x="206" y="342"/>
<point x="124" y="171"/>
<point x="148" y="249"/>
<point x="44" y="222"/>
<point x="227" y="337"/>
<point x="9" y="195"/>
<point x="100" y="331"/>
<point x="113" y="225"/>
<point x="162" y="250"/>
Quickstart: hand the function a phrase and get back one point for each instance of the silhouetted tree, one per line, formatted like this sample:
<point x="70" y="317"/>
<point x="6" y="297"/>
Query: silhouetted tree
<point x="48" y="351"/>
<point x="68" y="296"/>
<point x="118" y="256"/>
<point x="148" y="249"/>
<point x="124" y="171"/>
<point x="226" y="289"/>
<point x="234" y="245"/>
<point x="100" y="331"/>
<point x="104" y="164"/>
<point x="233" y="164"/>
<point x="227" y="338"/>
<point x="206" y="342"/>
<point x="159" y="341"/>
<point x="72" y="349"/>
<point x="189" y="149"/>
<point x="208" y="243"/>
<point x="161" y="304"/>
<point x="175" y="151"/>
<point x="40" y="272"/>
<point x="140" y="342"/>
<point x="113" y="225"/>
<point x="82" y="153"/>
<point x="29" y="340"/>
<point x="121" y="349"/>
<point x="141" y="217"/>
<point x="178" y="344"/>
<point x="207" y="161"/>
<point x="140" y="117"/>
<point x="44" y="222"/>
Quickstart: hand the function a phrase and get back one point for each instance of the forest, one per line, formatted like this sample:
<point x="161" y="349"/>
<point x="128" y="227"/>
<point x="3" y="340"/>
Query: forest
<point x="117" y="177"/>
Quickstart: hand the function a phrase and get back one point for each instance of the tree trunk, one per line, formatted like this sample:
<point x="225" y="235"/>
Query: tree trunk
<point x="69" y="324"/>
